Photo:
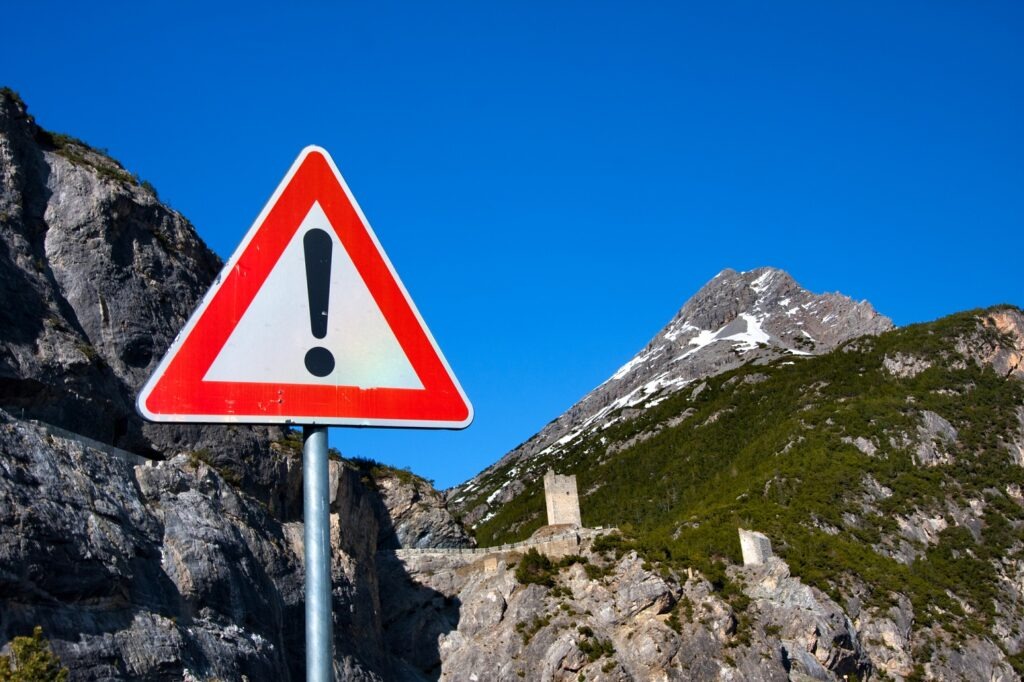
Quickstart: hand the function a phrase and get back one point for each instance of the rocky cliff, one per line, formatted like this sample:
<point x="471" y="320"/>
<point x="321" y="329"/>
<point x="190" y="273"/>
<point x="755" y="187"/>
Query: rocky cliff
<point x="735" y="319"/>
<point x="610" y="615"/>
<point x="97" y="277"/>
<point x="152" y="551"/>
<point x="886" y="470"/>
<point x="887" y="475"/>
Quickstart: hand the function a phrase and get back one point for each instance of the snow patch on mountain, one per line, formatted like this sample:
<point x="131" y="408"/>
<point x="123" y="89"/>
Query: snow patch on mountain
<point x="736" y="318"/>
<point x="746" y="331"/>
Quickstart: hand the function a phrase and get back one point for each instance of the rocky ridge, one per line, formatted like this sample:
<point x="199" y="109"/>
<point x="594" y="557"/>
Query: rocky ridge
<point x="887" y="475"/>
<point x="416" y="512"/>
<point x="98" y="277"/>
<point x="188" y="566"/>
<point x="735" y="319"/>
<point x="157" y="552"/>
<point x="611" y="616"/>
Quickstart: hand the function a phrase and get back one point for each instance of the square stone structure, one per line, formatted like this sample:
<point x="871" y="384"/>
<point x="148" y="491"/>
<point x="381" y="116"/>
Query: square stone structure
<point x="756" y="547"/>
<point x="562" y="499"/>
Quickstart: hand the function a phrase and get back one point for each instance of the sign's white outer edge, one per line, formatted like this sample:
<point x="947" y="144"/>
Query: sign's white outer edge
<point x="175" y="346"/>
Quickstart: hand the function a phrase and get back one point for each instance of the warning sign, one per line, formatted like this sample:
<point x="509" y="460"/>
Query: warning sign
<point x="308" y="323"/>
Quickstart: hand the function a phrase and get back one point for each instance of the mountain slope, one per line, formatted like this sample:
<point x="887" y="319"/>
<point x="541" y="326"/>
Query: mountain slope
<point x="888" y="473"/>
<point x="144" y="551"/>
<point x="734" y="319"/>
<point x="97" y="277"/>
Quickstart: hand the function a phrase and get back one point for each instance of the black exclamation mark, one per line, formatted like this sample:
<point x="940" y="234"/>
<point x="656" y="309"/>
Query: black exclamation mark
<point x="317" y="245"/>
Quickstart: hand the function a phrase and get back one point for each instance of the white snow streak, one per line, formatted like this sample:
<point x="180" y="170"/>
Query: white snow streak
<point x="676" y="332"/>
<point x="625" y="369"/>
<point x="761" y="283"/>
<point x="753" y="335"/>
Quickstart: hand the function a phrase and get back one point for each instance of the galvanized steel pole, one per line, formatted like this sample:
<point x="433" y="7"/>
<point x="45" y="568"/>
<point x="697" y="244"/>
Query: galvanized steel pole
<point x="316" y="501"/>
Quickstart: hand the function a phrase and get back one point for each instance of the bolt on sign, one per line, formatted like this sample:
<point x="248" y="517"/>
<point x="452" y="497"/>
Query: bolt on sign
<point x="308" y="323"/>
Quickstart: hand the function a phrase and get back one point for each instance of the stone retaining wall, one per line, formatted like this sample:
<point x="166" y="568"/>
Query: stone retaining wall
<point x="555" y="545"/>
<point x="130" y="457"/>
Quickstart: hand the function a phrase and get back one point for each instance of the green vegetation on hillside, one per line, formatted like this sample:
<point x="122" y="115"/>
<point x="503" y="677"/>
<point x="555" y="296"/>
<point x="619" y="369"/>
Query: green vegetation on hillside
<point x="771" y="448"/>
<point x="538" y="569"/>
<point x="79" y="152"/>
<point x="372" y="471"/>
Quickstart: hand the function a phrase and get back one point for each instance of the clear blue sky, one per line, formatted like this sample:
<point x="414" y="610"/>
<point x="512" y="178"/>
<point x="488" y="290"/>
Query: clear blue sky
<point x="553" y="180"/>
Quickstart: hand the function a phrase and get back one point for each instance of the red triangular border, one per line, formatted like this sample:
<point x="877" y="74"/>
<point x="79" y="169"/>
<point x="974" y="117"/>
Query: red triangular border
<point x="177" y="393"/>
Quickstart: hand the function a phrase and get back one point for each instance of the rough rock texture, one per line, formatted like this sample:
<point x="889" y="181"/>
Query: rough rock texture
<point x="509" y="631"/>
<point x="1005" y="355"/>
<point x="862" y="444"/>
<point x="936" y="437"/>
<point x="886" y="635"/>
<point x="164" y="571"/>
<point x="816" y="633"/>
<point x="736" y="318"/>
<point x="97" y="277"/>
<point x="905" y="366"/>
<point x="630" y="622"/>
<point x="184" y="562"/>
<point x="418" y="516"/>
<point x="149" y="571"/>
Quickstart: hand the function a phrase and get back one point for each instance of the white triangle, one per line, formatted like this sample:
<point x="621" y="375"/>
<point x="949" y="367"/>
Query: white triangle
<point x="270" y="342"/>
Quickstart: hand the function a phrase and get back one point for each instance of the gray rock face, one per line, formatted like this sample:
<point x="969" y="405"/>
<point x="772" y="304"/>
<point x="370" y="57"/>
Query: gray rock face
<point x="158" y="571"/>
<point x="816" y="633"/>
<point x="736" y="318"/>
<point x="887" y="638"/>
<point x="936" y="438"/>
<point x="190" y="566"/>
<point x="164" y="571"/>
<point x="862" y="444"/>
<point x="975" y="660"/>
<point x="635" y="623"/>
<point x="418" y="516"/>
<point x="97" y="277"/>
<point x="618" y="627"/>
<point x="905" y="366"/>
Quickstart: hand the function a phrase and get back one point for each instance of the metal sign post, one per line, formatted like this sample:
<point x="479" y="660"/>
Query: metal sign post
<point x="317" y="553"/>
<point x="241" y="360"/>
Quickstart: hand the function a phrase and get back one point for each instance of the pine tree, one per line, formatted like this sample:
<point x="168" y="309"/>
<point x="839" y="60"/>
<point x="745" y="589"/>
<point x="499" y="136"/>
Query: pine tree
<point x="31" y="660"/>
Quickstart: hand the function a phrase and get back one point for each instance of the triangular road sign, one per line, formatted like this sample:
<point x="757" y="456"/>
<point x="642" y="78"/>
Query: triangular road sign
<point x="308" y="323"/>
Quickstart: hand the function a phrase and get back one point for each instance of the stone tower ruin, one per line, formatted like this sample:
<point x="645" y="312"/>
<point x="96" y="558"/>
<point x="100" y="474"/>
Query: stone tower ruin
<point x="562" y="500"/>
<point x="756" y="547"/>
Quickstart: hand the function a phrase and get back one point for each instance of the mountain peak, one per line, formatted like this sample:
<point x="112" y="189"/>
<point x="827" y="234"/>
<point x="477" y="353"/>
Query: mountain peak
<point x="768" y="302"/>
<point x="721" y="298"/>
<point x="734" y="319"/>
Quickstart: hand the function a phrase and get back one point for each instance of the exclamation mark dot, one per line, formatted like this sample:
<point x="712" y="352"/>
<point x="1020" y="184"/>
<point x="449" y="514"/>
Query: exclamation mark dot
<point x="317" y="245"/>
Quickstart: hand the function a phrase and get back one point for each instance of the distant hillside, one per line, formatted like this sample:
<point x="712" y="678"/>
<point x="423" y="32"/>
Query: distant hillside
<point x="736" y="318"/>
<point x="888" y="473"/>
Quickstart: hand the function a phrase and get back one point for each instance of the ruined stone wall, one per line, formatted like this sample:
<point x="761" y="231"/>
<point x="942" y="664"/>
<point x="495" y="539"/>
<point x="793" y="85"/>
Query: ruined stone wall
<point x="554" y="546"/>
<point x="563" y="501"/>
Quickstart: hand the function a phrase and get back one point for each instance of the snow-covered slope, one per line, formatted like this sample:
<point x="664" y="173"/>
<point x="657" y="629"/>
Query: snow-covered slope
<point x="737" y="317"/>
